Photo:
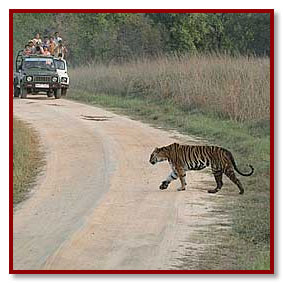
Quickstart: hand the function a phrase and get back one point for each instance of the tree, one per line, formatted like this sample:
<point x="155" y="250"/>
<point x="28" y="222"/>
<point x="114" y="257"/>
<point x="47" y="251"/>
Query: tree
<point x="122" y="36"/>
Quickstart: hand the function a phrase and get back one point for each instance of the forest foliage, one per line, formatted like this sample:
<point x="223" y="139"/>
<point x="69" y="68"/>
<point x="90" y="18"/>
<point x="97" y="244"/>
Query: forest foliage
<point x="120" y="37"/>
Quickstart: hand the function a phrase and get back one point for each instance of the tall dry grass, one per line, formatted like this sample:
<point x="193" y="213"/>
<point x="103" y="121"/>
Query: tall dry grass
<point x="232" y="87"/>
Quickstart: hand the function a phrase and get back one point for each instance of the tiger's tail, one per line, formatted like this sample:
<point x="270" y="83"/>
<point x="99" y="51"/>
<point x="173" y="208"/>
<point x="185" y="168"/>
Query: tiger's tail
<point x="237" y="170"/>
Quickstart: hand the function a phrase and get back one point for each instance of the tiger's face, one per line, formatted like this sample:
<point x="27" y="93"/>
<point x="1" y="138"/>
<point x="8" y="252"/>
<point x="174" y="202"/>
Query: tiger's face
<point x="157" y="156"/>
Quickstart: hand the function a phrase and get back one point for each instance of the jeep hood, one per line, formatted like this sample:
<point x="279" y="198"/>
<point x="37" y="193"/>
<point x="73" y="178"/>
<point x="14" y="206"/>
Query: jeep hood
<point x="40" y="72"/>
<point x="62" y="73"/>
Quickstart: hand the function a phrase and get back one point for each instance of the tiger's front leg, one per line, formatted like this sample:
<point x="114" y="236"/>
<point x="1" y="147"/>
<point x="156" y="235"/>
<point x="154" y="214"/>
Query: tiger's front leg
<point x="172" y="176"/>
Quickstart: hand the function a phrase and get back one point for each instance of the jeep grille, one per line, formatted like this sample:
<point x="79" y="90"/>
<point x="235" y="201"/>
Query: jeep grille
<point x="42" y="79"/>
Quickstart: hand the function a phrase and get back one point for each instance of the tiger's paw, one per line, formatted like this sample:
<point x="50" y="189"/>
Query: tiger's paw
<point x="214" y="191"/>
<point x="181" y="189"/>
<point x="164" y="185"/>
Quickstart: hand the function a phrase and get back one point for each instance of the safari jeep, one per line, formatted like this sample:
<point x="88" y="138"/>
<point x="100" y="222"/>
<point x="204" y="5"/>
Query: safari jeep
<point x="36" y="74"/>
<point x="61" y="67"/>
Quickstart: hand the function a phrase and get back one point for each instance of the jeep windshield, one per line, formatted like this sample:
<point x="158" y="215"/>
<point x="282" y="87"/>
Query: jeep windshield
<point x="59" y="64"/>
<point x="39" y="63"/>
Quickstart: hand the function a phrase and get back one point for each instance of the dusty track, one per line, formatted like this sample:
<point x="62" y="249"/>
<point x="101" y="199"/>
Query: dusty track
<point x="97" y="205"/>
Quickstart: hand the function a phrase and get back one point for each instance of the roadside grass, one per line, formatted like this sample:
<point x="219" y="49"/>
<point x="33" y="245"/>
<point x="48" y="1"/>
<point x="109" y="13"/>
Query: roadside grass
<point x="27" y="159"/>
<point x="221" y="99"/>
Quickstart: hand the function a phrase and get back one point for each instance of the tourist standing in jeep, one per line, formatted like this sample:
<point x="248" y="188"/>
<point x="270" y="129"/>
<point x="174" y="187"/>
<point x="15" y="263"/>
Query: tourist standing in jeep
<point x="60" y="50"/>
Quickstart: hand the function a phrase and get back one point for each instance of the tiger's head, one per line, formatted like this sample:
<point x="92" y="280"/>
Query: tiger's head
<point x="157" y="155"/>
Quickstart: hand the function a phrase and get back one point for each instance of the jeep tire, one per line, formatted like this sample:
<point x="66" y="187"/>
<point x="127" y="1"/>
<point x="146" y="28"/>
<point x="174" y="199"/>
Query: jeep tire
<point x="16" y="91"/>
<point x="49" y="94"/>
<point x="23" y="92"/>
<point x="57" y="94"/>
<point x="63" y="91"/>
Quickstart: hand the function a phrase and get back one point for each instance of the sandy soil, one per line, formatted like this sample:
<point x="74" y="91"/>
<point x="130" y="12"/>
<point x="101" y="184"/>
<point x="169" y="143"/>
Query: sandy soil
<point x="97" y="204"/>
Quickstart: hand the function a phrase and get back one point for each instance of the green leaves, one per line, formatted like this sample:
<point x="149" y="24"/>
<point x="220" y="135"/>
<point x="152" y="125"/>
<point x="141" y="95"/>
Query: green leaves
<point x="108" y="37"/>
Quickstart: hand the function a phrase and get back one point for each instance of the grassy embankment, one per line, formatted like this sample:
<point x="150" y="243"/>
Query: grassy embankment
<point x="222" y="99"/>
<point x="27" y="159"/>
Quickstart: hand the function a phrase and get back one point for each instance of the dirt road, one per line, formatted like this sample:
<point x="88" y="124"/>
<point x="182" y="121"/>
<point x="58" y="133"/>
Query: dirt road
<point x="97" y="205"/>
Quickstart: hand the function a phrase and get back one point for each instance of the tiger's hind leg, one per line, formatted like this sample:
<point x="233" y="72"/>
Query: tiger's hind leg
<point x="182" y="176"/>
<point x="229" y="172"/>
<point x="218" y="178"/>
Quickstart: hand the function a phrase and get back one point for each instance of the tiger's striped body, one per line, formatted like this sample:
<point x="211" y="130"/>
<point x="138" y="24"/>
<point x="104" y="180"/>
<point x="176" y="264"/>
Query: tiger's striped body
<point x="183" y="158"/>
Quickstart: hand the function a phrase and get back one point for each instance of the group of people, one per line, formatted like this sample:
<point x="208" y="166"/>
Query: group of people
<point x="49" y="46"/>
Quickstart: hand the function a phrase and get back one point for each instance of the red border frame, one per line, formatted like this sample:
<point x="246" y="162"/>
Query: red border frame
<point x="269" y="11"/>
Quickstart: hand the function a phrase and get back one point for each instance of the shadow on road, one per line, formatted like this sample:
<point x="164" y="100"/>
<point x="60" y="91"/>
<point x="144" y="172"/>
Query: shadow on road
<point x="36" y="97"/>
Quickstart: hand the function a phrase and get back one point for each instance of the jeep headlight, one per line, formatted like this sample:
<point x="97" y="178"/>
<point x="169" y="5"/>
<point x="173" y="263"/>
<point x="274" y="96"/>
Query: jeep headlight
<point x="54" y="79"/>
<point x="64" y="79"/>
<point x="29" y="78"/>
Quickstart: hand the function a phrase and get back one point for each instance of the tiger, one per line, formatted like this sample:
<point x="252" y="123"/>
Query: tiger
<point x="183" y="158"/>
